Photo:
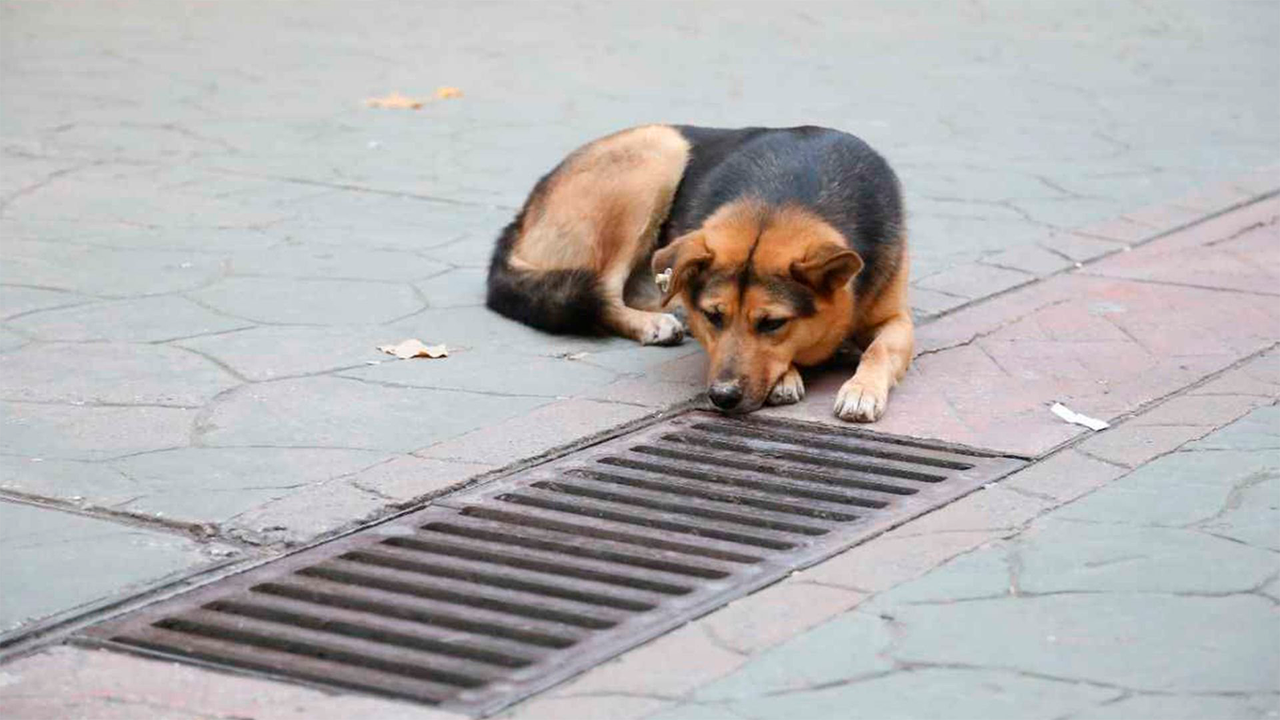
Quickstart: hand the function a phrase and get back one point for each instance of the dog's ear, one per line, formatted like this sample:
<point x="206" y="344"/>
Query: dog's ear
<point x="684" y="258"/>
<point x="826" y="266"/>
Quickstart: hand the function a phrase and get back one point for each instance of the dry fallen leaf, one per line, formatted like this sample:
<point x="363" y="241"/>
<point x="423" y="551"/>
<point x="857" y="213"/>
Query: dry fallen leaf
<point x="413" y="348"/>
<point x="448" y="93"/>
<point x="395" y="101"/>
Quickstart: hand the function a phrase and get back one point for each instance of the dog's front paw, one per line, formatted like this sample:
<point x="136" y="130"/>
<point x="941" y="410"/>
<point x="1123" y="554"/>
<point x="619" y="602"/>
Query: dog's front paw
<point x="663" y="329"/>
<point x="857" y="402"/>
<point x="789" y="388"/>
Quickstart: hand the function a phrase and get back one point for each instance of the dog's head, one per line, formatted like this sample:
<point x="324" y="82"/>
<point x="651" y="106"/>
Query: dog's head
<point x="763" y="288"/>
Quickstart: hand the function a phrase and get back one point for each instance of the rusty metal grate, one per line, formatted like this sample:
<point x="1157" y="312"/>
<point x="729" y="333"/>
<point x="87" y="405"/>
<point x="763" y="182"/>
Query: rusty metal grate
<point x="493" y="593"/>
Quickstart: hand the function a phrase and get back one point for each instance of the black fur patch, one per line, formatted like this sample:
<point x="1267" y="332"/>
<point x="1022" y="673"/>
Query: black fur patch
<point x="831" y="173"/>
<point x="557" y="301"/>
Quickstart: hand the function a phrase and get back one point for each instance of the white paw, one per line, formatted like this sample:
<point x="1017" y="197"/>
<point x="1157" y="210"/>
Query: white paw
<point x="663" y="329"/>
<point x="859" y="403"/>
<point x="789" y="389"/>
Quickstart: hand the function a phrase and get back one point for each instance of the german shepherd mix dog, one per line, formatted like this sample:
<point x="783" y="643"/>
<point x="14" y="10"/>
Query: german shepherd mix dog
<point x="782" y="244"/>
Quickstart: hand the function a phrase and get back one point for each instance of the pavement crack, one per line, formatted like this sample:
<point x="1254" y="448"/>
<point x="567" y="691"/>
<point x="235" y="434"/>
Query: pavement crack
<point x="1001" y="326"/>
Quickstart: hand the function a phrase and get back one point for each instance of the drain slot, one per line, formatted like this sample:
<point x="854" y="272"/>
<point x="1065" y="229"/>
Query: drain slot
<point x="495" y="592"/>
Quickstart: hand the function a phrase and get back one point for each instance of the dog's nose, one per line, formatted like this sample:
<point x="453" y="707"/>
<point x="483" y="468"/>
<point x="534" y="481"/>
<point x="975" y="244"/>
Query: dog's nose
<point x="725" y="395"/>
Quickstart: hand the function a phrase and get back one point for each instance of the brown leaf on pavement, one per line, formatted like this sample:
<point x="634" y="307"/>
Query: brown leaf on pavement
<point x="395" y="101"/>
<point x="414" y="348"/>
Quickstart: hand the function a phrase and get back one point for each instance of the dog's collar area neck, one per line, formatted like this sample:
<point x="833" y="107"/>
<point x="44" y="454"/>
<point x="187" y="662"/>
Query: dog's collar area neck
<point x="663" y="279"/>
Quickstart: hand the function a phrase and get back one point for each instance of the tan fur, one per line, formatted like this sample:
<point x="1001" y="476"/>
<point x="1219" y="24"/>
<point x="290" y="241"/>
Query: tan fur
<point x="791" y="243"/>
<point x="602" y="210"/>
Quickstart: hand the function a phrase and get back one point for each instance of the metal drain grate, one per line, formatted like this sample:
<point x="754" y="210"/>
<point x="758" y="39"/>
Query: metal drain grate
<point x="491" y="594"/>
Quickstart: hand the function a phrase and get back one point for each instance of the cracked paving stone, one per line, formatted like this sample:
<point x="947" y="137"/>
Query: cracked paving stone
<point x="10" y="341"/>
<point x="154" y="319"/>
<point x="777" y="613"/>
<point x="1205" y="483"/>
<point x="346" y="413"/>
<point x="849" y="646"/>
<point x="463" y="287"/>
<point x="310" y="302"/>
<point x="974" y="281"/>
<point x="1137" y="641"/>
<point x="545" y="428"/>
<point x="488" y="372"/>
<point x="106" y="272"/>
<point x="220" y="483"/>
<point x="1259" y="430"/>
<point x="304" y="261"/>
<point x="74" y="481"/>
<point x="273" y="352"/>
<point x="15" y="300"/>
<point x="923" y="693"/>
<point x="407" y="479"/>
<point x="90" y="433"/>
<point x="67" y="682"/>
<point x="306" y="514"/>
<point x="1184" y="707"/>
<point x="110" y="373"/>
<point x="74" y="560"/>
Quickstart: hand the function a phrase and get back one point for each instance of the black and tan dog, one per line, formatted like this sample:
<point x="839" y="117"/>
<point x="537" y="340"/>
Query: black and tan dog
<point x="781" y="243"/>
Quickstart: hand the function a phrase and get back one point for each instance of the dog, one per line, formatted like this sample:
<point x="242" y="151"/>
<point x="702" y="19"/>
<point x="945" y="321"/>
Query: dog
<point x="781" y="245"/>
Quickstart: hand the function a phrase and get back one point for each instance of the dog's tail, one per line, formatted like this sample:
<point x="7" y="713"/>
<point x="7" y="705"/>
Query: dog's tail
<point x="557" y="301"/>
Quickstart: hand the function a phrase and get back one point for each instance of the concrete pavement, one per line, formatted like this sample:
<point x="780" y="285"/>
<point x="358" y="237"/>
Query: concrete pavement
<point x="204" y="233"/>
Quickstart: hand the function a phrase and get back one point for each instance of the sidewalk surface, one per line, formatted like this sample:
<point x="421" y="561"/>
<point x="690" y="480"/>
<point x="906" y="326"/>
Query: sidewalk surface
<point x="204" y="233"/>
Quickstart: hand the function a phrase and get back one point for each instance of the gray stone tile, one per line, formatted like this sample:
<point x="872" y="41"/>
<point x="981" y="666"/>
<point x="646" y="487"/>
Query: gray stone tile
<point x="1259" y="430"/>
<point x="926" y="693"/>
<point x="273" y="352"/>
<point x="489" y="372"/>
<point x="406" y="479"/>
<point x="11" y="341"/>
<point x="1184" y="707"/>
<point x="1251" y="514"/>
<point x="345" y="413"/>
<point x="1035" y="260"/>
<point x="67" y="682"/>
<point x="153" y="319"/>
<point x="1132" y="640"/>
<point x="973" y="281"/>
<point x="310" y="302"/>
<point x="15" y="300"/>
<point x="846" y="647"/>
<point x="90" y="433"/>
<point x="1063" y="477"/>
<point x="110" y="373"/>
<point x="1083" y="557"/>
<point x="106" y="272"/>
<point x="301" y="260"/>
<point x="306" y="514"/>
<point x="463" y="287"/>
<point x="777" y="613"/>
<point x="1080" y="248"/>
<point x="211" y="485"/>
<point x="534" y="433"/>
<point x="1204" y="483"/>
<point x="1133" y="443"/>
<point x="56" y="561"/>
<point x="80" y="482"/>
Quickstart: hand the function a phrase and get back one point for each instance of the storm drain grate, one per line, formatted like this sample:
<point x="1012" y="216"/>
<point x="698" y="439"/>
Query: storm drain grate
<point x="493" y="593"/>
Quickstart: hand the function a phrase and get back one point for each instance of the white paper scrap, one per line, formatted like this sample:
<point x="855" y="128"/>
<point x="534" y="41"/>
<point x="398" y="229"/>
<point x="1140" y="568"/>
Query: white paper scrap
<point x="1072" y="416"/>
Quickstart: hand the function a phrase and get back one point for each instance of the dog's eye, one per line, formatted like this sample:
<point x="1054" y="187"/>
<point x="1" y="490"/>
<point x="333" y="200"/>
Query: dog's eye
<point x="715" y="317"/>
<point x="768" y="325"/>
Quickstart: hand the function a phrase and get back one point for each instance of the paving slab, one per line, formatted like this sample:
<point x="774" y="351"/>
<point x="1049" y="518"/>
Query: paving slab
<point x="76" y="683"/>
<point x="56" y="561"/>
<point x="1101" y="346"/>
<point x="1124" y="595"/>
<point x="278" y="229"/>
